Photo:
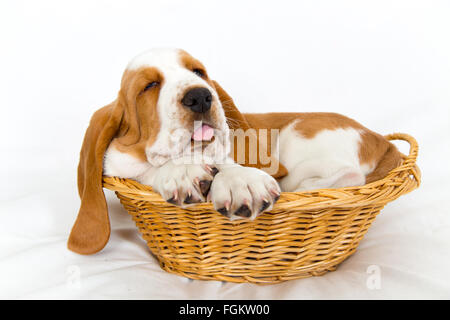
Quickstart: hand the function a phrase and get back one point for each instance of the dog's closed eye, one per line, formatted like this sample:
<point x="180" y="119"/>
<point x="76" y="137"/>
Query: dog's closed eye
<point x="151" y="85"/>
<point x="199" y="72"/>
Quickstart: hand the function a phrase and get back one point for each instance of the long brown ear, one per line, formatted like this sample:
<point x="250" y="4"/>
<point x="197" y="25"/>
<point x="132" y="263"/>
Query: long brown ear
<point x="91" y="230"/>
<point x="237" y="120"/>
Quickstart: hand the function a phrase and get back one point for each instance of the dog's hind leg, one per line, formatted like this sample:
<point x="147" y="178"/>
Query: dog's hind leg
<point x="345" y="177"/>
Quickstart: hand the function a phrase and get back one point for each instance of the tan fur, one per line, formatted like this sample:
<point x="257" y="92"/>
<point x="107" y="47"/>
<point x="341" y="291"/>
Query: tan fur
<point x="91" y="230"/>
<point x="236" y="120"/>
<point x="386" y="161"/>
<point x="190" y="63"/>
<point x="141" y="124"/>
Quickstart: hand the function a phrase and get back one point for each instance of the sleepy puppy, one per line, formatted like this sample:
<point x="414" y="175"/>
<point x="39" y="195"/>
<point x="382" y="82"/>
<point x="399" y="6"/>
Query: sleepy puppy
<point x="175" y="129"/>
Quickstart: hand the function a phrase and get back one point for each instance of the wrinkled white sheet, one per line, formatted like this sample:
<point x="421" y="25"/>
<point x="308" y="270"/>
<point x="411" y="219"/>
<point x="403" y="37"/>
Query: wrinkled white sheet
<point x="408" y="242"/>
<point x="394" y="77"/>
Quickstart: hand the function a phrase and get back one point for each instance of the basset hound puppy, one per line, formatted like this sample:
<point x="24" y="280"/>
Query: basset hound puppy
<point x="168" y="112"/>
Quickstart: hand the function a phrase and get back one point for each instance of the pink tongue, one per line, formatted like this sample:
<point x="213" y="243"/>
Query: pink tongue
<point x="203" y="133"/>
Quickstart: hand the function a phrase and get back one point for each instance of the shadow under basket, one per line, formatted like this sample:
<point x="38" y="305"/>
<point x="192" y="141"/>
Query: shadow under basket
<point x="305" y="234"/>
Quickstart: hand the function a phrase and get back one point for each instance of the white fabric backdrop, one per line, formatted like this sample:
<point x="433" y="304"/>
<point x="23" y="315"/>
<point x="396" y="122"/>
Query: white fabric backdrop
<point x="384" y="63"/>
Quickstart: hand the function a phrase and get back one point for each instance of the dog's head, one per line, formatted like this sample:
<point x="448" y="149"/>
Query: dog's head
<point x="171" y="103"/>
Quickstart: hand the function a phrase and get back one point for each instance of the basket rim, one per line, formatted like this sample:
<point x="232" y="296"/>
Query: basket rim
<point x="368" y="194"/>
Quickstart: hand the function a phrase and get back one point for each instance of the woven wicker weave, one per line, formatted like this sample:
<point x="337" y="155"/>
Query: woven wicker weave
<point x="305" y="234"/>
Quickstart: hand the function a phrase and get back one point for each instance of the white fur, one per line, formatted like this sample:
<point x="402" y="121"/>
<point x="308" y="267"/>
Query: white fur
<point x="123" y="165"/>
<point x="329" y="159"/>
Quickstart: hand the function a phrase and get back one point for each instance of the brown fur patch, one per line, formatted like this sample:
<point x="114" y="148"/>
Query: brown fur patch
<point x="376" y="150"/>
<point x="191" y="63"/>
<point x="237" y="120"/>
<point x="141" y="123"/>
<point x="91" y="230"/>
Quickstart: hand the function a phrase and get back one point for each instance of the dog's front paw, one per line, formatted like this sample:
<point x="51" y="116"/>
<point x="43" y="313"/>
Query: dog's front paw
<point x="243" y="192"/>
<point x="185" y="184"/>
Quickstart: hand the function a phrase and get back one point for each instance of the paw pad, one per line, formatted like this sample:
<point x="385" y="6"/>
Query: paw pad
<point x="190" y="199"/>
<point x="204" y="187"/>
<point x="223" y="211"/>
<point x="243" y="211"/>
<point x="265" y="205"/>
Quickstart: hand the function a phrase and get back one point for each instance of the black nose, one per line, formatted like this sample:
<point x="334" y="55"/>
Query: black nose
<point x="198" y="100"/>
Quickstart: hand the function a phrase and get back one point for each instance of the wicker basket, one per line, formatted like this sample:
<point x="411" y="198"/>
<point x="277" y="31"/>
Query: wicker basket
<point x="305" y="234"/>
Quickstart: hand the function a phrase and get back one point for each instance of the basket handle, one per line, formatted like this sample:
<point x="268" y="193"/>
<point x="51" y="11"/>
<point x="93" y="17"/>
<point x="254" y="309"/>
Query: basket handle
<point x="413" y="145"/>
